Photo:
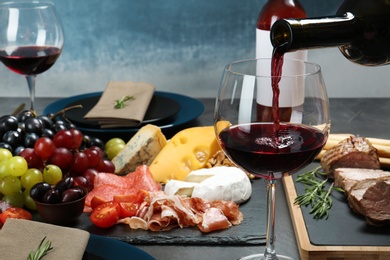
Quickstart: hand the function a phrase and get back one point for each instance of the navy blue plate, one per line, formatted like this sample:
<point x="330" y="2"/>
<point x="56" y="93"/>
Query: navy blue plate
<point x="100" y="247"/>
<point x="189" y="110"/>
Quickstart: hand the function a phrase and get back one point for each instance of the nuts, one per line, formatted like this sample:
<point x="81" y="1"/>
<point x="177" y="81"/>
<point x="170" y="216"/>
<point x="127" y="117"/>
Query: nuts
<point x="220" y="159"/>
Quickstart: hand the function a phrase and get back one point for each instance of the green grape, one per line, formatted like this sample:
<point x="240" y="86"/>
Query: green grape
<point x="113" y="142"/>
<point x="30" y="178"/>
<point x="113" y="150"/>
<point x="5" y="154"/>
<point x="28" y="201"/>
<point x="52" y="174"/>
<point x="3" y="169"/>
<point x="15" y="199"/>
<point x="10" y="185"/>
<point x="17" y="166"/>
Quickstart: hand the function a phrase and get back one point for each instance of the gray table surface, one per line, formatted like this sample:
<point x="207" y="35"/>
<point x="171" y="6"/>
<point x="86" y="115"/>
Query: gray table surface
<point x="366" y="117"/>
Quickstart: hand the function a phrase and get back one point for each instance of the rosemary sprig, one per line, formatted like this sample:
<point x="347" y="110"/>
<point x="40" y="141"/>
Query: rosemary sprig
<point x="41" y="251"/>
<point x="316" y="195"/>
<point x="120" y="103"/>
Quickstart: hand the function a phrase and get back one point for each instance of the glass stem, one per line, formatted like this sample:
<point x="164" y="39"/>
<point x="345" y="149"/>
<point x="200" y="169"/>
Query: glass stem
<point x="270" y="252"/>
<point x="31" y="88"/>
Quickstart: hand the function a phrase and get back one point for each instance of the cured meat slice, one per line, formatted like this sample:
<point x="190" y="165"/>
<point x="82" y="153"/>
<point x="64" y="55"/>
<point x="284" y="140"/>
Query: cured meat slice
<point x="166" y="212"/>
<point x="107" y="185"/>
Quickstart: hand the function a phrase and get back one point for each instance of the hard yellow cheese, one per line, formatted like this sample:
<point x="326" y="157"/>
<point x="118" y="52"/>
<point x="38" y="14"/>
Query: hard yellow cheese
<point x="141" y="149"/>
<point x="188" y="150"/>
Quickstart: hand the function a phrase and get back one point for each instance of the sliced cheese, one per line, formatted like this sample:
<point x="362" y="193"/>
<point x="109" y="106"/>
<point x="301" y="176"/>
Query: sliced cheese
<point x="230" y="184"/>
<point x="182" y="188"/>
<point x="141" y="149"/>
<point x="188" y="150"/>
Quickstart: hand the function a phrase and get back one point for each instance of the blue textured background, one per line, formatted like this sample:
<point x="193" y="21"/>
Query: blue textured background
<point x="178" y="45"/>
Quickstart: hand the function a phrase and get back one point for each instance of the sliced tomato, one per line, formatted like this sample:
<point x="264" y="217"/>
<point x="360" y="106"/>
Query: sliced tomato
<point x="136" y="198"/>
<point x="106" y="214"/>
<point x="128" y="209"/>
<point x="15" y="213"/>
<point x="97" y="201"/>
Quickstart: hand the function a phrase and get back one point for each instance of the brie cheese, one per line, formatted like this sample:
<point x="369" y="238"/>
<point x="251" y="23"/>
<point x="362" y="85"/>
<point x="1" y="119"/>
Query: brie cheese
<point x="226" y="183"/>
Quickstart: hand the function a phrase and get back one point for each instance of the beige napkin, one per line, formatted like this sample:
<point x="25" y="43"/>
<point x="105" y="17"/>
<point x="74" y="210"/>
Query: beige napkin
<point x="134" y="110"/>
<point x="18" y="237"/>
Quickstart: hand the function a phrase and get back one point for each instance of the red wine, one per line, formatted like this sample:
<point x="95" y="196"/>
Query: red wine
<point x="30" y="60"/>
<point x="256" y="148"/>
<point x="272" y="11"/>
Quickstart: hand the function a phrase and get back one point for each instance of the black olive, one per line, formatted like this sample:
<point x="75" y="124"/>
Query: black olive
<point x="64" y="184"/>
<point x="38" y="190"/>
<point x="71" y="194"/>
<point x="51" y="197"/>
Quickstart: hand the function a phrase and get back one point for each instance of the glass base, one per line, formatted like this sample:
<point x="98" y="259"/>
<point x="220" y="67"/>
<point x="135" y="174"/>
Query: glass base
<point x="261" y="257"/>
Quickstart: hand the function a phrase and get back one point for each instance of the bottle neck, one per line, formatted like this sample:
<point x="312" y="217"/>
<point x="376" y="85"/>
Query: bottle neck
<point x="293" y="34"/>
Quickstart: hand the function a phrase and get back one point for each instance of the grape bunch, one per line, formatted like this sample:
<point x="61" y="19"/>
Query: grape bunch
<point x="41" y="149"/>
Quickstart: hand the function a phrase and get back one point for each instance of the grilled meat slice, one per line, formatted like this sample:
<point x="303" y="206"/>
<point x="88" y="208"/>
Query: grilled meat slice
<point x="352" y="152"/>
<point x="371" y="198"/>
<point x="345" y="178"/>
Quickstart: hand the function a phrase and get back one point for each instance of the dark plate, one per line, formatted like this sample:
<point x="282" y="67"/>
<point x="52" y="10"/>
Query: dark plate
<point x="160" y="108"/>
<point x="190" y="109"/>
<point x="100" y="248"/>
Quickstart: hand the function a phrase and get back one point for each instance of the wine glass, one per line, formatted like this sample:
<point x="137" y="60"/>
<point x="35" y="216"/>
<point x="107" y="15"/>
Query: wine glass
<point x="270" y="146"/>
<point x="31" y="39"/>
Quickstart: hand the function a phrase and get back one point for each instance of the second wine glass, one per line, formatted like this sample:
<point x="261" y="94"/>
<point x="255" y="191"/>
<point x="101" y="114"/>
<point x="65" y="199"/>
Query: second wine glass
<point x="271" y="146"/>
<point x="31" y="39"/>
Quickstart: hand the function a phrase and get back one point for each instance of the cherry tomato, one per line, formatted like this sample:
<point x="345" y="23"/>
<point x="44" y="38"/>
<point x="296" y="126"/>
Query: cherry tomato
<point x="136" y="198"/>
<point x="97" y="201"/>
<point x="106" y="214"/>
<point x="15" y="213"/>
<point x="128" y="209"/>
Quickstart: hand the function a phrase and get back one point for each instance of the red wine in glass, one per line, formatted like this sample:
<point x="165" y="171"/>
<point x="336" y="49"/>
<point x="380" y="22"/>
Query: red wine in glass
<point x="29" y="60"/>
<point x="254" y="147"/>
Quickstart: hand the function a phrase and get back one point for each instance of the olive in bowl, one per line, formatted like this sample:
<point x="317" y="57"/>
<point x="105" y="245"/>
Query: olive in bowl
<point x="61" y="204"/>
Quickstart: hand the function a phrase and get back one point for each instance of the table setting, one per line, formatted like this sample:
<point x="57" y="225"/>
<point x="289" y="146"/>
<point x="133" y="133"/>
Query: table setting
<point x="273" y="125"/>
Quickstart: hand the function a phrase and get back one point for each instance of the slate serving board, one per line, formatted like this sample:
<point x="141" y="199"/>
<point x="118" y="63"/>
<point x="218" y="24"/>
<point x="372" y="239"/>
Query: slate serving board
<point x="344" y="234"/>
<point x="250" y="232"/>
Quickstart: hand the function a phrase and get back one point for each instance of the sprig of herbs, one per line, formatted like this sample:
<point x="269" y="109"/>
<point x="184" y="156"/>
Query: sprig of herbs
<point x="120" y="103"/>
<point x="316" y="194"/>
<point x="42" y="250"/>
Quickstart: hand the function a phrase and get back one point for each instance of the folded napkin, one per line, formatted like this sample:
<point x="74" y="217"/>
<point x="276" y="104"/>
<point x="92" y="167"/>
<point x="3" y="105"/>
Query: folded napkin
<point x="133" y="111"/>
<point x="18" y="237"/>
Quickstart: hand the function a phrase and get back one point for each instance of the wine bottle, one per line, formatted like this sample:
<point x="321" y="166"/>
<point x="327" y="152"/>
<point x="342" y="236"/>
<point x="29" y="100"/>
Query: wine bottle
<point x="360" y="29"/>
<point x="272" y="11"/>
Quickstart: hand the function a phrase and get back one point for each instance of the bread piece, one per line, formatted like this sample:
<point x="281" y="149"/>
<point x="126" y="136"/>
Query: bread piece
<point x="141" y="149"/>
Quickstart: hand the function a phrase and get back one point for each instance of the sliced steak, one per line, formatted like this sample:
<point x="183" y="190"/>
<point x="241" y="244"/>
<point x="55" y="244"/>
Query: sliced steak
<point x="345" y="178"/>
<point x="371" y="198"/>
<point x="352" y="152"/>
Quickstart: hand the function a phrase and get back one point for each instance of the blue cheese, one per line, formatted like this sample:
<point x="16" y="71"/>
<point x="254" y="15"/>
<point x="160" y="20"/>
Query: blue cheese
<point x="141" y="149"/>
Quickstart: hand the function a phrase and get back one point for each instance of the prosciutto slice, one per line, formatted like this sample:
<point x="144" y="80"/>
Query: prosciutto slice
<point x="165" y="212"/>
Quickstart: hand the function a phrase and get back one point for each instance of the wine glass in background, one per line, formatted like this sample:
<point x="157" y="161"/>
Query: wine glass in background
<point x="273" y="147"/>
<point x="31" y="39"/>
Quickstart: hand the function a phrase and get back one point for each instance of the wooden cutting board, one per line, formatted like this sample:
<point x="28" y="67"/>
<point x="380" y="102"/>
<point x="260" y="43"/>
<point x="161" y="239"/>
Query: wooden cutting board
<point x="331" y="248"/>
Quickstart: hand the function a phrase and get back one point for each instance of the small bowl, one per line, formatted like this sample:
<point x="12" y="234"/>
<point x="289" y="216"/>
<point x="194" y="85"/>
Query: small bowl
<point x="61" y="213"/>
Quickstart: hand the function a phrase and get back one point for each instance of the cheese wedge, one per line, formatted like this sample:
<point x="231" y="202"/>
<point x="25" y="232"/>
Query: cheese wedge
<point x="229" y="183"/>
<point x="188" y="150"/>
<point x="141" y="149"/>
<point x="181" y="188"/>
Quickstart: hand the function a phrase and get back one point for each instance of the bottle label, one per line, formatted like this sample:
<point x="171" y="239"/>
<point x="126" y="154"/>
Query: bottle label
<point x="291" y="93"/>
